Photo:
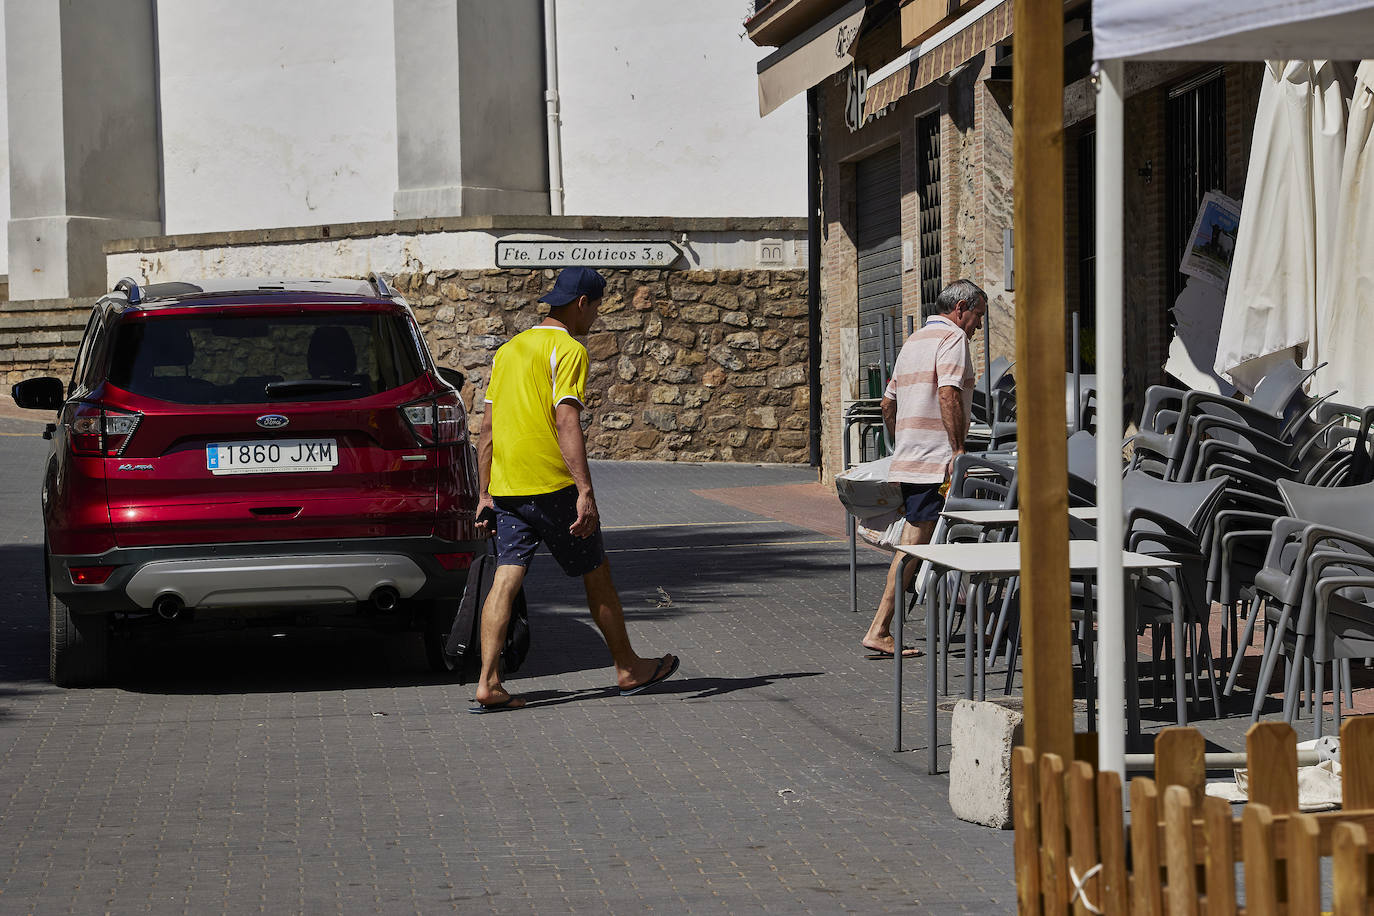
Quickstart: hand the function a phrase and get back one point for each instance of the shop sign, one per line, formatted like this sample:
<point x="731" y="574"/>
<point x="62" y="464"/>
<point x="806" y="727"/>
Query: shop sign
<point x="618" y="253"/>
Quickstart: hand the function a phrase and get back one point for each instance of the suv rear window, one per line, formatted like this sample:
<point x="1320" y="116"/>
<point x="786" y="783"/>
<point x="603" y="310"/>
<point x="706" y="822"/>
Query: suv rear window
<point x="250" y="358"/>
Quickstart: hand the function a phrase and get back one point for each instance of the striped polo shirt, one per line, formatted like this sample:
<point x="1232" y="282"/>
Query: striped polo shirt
<point x="934" y="357"/>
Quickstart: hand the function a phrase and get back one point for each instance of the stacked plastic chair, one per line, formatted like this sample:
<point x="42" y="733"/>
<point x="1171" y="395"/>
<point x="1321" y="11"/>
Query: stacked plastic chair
<point x="1320" y="557"/>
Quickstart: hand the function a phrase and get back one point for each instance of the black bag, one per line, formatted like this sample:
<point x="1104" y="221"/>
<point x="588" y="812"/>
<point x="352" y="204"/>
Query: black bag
<point x="464" y="640"/>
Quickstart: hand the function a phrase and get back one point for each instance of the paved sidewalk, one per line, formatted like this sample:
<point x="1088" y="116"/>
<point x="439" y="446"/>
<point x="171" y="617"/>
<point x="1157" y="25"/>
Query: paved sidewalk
<point x="327" y="772"/>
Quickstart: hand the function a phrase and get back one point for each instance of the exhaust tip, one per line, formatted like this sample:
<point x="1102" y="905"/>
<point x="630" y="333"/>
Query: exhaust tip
<point x="385" y="598"/>
<point x="169" y="607"/>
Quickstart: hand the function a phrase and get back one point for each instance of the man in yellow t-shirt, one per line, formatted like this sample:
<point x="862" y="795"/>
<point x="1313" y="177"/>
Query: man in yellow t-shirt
<point x="537" y="487"/>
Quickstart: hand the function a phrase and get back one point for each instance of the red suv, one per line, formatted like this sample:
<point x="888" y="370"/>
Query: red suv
<point x="252" y="451"/>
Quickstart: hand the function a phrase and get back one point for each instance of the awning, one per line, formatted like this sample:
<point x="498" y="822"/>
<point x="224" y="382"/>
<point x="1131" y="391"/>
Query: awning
<point x="1232" y="29"/>
<point x="977" y="30"/>
<point x="809" y="58"/>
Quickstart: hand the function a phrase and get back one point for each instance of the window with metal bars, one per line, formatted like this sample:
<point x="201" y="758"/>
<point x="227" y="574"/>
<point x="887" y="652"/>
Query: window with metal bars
<point x="1195" y="138"/>
<point x="928" y="192"/>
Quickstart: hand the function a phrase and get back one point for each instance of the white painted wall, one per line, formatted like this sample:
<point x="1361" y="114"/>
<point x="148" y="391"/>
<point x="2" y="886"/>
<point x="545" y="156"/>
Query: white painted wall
<point x="661" y="118"/>
<point x="284" y="114"/>
<point x="4" y="158"/>
<point x="277" y="114"/>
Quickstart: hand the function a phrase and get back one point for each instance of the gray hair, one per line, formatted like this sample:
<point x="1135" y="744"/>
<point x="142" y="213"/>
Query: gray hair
<point x="960" y="289"/>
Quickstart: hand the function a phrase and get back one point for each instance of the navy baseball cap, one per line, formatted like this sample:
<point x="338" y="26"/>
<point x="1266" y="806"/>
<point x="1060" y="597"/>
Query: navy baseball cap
<point x="573" y="282"/>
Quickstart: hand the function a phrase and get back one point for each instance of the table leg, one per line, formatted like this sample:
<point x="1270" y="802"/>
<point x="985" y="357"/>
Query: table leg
<point x="1089" y="655"/>
<point x="933" y="647"/>
<point x="851" y="527"/>
<point x="940" y="585"/>
<point x="898" y="614"/>
<point x="982" y="626"/>
<point x="1132" y="663"/>
<point x="1180" y="678"/>
<point x="970" y="620"/>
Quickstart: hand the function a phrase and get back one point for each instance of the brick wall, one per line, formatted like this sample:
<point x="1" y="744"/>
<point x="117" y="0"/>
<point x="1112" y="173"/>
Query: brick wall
<point x="975" y="197"/>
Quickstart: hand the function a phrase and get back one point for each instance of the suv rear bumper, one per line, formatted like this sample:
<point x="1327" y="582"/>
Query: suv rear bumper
<point x="263" y="575"/>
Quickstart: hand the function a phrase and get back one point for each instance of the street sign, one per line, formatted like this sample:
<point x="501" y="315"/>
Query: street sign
<point x="586" y="254"/>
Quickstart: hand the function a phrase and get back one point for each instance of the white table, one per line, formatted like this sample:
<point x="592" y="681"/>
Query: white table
<point x="991" y="519"/>
<point x="1000" y="518"/>
<point x="994" y="560"/>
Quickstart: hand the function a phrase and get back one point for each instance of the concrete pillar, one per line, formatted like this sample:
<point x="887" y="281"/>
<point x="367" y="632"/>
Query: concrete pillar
<point x="470" y="129"/>
<point x="83" y="129"/>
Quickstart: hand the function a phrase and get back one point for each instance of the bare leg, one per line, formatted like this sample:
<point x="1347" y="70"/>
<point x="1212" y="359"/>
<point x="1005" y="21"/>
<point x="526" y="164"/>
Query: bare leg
<point x="879" y="635"/>
<point x="496" y="612"/>
<point x="604" y="603"/>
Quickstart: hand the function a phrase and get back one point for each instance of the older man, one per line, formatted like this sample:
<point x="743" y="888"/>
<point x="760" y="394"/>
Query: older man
<point x="926" y="410"/>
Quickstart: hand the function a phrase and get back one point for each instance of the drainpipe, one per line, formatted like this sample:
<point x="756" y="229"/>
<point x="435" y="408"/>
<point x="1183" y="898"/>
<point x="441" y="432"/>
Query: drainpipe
<point x="551" y="109"/>
<point x="813" y="268"/>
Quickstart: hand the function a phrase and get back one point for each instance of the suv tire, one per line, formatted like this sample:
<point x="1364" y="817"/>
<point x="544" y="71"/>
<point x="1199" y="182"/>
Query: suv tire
<point x="79" y="646"/>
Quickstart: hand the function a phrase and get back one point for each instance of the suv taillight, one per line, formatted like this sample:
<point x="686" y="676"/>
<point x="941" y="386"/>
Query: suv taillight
<point x="99" y="430"/>
<point x="437" y="421"/>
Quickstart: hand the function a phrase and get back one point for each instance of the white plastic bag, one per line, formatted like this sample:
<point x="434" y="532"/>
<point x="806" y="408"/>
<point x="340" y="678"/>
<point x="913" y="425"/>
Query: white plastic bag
<point x="882" y="530"/>
<point x="865" y="492"/>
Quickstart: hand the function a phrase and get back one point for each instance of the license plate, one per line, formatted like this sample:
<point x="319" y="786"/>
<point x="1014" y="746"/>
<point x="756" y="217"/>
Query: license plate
<point x="275" y="456"/>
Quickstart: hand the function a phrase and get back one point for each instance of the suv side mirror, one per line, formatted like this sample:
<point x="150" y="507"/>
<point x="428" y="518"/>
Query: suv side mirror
<point x="45" y="393"/>
<point x="452" y="376"/>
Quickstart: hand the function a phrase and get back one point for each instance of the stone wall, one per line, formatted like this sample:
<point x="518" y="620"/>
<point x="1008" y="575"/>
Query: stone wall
<point x="40" y="337"/>
<point x="686" y="365"/>
<point x="694" y="365"/>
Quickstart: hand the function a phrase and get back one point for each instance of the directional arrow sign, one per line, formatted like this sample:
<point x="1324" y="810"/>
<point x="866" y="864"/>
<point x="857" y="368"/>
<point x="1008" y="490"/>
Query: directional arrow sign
<point x="618" y="253"/>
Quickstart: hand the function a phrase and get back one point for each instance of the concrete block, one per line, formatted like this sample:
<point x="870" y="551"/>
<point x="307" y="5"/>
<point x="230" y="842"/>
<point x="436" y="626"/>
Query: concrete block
<point x="983" y="735"/>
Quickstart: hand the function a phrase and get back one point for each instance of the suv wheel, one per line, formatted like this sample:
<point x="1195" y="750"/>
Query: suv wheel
<point x="436" y="617"/>
<point x="79" y="646"/>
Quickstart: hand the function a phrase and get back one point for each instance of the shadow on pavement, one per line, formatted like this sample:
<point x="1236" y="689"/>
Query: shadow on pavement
<point x="661" y="573"/>
<point x="23" y="614"/>
<point x="691" y="688"/>
<point x="709" y="570"/>
<point x="306" y="659"/>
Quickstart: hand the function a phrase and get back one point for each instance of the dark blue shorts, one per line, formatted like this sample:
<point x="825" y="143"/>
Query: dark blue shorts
<point x="523" y="521"/>
<point x="922" y="502"/>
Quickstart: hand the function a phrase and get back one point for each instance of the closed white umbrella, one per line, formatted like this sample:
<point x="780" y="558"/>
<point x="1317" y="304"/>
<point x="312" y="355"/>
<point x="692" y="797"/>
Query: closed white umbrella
<point x="1348" y="303"/>
<point x="1287" y="222"/>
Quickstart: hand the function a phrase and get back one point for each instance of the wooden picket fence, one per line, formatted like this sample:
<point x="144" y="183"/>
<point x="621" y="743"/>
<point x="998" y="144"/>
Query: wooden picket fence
<point x="1178" y="855"/>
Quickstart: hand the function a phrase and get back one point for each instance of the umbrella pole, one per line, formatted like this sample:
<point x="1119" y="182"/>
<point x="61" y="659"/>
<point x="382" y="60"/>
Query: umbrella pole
<point x="1038" y="162"/>
<point x="1111" y="684"/>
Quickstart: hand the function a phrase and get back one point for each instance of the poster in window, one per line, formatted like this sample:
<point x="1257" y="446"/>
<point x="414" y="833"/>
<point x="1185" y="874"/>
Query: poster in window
<point x="1212" y="244"/>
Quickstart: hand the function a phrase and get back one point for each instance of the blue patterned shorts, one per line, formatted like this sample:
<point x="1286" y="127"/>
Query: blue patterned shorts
<point x="523" y="521"/>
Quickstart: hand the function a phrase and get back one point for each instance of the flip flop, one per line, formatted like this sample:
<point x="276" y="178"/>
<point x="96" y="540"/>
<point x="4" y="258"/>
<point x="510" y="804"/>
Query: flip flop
<point x="506" y="706"/>
<point x="907" y="652"/>
<point x="659" y="676"/>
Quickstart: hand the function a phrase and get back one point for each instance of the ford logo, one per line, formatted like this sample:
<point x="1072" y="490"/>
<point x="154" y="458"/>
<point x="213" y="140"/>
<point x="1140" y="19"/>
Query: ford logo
<point x="272" y="421"/>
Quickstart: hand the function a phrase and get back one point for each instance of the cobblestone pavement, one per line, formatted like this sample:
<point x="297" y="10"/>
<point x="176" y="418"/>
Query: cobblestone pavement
<point x="322" y="772"/>
<point x="326" y="771"/>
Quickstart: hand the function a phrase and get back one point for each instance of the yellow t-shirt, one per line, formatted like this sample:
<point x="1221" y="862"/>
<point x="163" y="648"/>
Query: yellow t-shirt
<point x="534" y="371"/>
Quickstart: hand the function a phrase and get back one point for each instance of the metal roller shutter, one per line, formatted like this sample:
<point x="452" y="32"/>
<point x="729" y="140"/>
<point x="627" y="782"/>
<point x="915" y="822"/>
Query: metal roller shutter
<point x="928" y="192"/>
<point x="879" y="243"/>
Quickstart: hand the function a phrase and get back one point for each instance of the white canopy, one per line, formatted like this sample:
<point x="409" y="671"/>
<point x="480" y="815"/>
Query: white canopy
<point x="1232" y="29"/>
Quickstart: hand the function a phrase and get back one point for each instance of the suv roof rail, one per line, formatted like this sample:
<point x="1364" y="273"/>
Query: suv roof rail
<point x="383" y="288"/>
<point x="130" y="289"/>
